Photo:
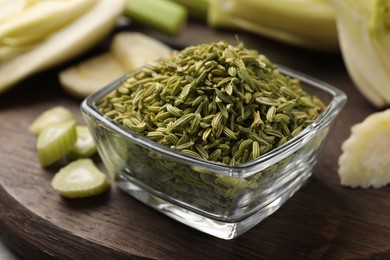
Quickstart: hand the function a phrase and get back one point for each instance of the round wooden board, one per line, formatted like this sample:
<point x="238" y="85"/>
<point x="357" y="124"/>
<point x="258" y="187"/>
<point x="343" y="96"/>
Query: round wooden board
<point x="322" y="220"/>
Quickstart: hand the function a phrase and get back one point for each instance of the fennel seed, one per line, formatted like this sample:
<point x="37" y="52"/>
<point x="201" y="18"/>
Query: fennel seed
<point x="214" y="101"/>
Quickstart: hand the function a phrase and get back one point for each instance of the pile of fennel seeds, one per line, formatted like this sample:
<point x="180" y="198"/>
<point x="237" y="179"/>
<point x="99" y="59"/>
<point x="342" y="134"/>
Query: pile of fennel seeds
<point x="215" y="101"/>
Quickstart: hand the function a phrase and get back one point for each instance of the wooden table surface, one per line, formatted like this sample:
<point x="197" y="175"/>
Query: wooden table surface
<point x="322" y="220"/>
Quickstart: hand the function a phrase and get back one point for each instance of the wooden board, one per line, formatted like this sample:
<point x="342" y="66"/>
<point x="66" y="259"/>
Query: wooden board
<point x="322" y="220"/>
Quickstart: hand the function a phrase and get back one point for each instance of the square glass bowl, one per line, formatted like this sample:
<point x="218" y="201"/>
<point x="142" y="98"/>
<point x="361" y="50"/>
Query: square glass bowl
<point x="223" y="201"/>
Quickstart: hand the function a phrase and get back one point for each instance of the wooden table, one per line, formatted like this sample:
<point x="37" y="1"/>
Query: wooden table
<point x="322" y="220"/>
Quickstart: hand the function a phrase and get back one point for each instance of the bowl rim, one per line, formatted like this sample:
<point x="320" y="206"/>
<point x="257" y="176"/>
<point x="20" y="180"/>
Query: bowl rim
<point x="335" y="105"/>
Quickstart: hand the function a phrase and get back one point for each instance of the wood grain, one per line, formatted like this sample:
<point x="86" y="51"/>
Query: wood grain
<point x="322" y="220"/>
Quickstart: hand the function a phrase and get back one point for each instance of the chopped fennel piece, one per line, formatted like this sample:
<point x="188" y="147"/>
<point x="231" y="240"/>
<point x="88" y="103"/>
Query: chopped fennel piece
<point x="365" y="161"/>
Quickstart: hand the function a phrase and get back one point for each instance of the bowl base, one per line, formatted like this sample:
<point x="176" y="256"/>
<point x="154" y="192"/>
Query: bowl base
<point x="218" y="228"/>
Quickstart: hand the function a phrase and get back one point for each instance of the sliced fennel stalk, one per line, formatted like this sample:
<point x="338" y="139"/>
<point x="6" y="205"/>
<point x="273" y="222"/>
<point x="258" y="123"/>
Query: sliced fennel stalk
<point x="52" y="116"/>
<point x="364" y="33"/>
<point x="56" y="141"/>
<point x="305" y="23"/>
<point x="59" y="136"/>
<point x="165" y="16"/>
<point x="85" y="146"/>
<point x="80" y="179"/>
<point x="196" y="9"/>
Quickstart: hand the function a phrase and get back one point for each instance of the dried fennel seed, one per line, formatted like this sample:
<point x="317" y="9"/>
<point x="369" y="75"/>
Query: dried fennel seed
<point x="208" y="97"/>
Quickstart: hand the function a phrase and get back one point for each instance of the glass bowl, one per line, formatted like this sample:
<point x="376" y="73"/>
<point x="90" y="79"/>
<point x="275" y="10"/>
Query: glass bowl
<point x="223" y="201"/>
